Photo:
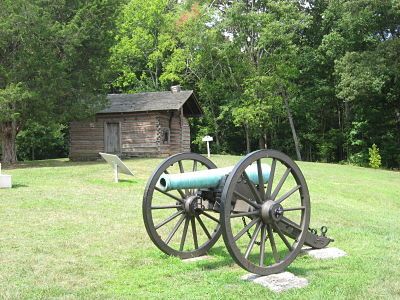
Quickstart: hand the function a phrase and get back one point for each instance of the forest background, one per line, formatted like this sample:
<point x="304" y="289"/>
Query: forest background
<point x="319" y="80"/>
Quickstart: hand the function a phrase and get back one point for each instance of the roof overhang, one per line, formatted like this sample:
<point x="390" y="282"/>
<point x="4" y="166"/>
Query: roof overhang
<point x="191" y="108"/>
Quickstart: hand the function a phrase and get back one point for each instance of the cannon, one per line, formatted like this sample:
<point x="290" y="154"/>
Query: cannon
<point x="261" y="207"/>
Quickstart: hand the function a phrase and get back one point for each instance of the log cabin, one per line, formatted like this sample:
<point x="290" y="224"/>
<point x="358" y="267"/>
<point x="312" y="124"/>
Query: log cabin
<point x="153" y="124"/>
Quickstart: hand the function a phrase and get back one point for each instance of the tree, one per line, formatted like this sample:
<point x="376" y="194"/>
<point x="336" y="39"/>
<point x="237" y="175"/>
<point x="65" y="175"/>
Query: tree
<point x="25" y="63"/>
<point x="145" y="41"/>
<point x="374" y="157"/>
<point x="12" y="98"/>
<point x="343" y="63"/>
<point x="261" y="38"/>
<point x="52" y="60"/>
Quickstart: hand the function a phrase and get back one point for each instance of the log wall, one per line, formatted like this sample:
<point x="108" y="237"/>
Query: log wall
<point x="86" y="140"/>
<point x="138" y="133"/>
<point x="142" y="134"/>
<point x="179" y="133"/>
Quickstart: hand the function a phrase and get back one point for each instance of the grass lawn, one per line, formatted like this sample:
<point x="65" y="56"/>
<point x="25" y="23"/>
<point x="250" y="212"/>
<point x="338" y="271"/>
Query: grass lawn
<point x="68" y="231"/>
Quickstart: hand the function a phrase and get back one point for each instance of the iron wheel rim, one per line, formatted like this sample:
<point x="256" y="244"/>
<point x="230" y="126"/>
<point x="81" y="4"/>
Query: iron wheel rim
<point x="148" y="218"/>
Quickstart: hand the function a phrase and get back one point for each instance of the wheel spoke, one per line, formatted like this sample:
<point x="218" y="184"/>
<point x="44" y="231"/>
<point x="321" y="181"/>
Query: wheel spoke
<point x="245" y="214"/>
<point x="169" y="195"/>
<point x="210" y="216"/>
<point x="203" y="226"/>
<point x="169" y="219"/>
<point x="183" y="239"/>
<point x="182" y="171"/>
<point x="194" y="169"/>
<point x="175" y="229"/>
<point x="283" y="238"/>
<point x="181" y="167"/>
<point x="252" y="188"/>
<point x="166" y="206"/>
<point x="253" y="240"/>
<point x="245" y="199"/>
<point x="260" y="180"/>
<point x="262" y="245"/>
<point x="288" y="194"/>
<point x="294" y="208"/>
<point x="270" y="179"/>
<point x="181" y="193"/>
<point x="241" y="232"/>
<point x="272" y="242"/>
<point x="194" y="233"/>
<point x="281" y="182"/>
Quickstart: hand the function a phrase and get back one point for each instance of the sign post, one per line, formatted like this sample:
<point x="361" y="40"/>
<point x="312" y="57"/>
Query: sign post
<point x="208" y="139"/>
<point x="115" y="173"/>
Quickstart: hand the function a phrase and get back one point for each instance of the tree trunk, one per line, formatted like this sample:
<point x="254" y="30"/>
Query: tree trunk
<point x="8" y="133"/>
<point x="216" y="133"/>
<point x="295" y="139"/>
<point x="216" y="129"/>
<point x="262" y="141"/>
<point x="246" y="129"/>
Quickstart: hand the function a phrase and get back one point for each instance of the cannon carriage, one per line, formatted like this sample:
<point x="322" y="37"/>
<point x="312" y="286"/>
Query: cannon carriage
<point x="261" y="207"/>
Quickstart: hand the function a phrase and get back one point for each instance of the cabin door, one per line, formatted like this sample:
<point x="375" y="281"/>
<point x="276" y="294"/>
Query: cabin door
<point x="112" y="138"/>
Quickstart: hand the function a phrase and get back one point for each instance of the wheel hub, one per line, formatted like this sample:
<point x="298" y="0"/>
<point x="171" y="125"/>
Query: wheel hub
<point x="190" y="205"/>
<point x="271" y="211"/>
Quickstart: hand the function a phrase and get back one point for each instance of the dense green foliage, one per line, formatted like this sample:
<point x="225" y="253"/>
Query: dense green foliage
<point x="318" y="78"/>
<point x="322" y="74"/>
<point x="37" y="141"/>
<point x="53" y="63"/>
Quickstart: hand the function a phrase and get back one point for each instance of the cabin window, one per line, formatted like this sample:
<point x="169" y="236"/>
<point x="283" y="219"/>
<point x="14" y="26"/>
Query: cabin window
<point x="165" y="135"/>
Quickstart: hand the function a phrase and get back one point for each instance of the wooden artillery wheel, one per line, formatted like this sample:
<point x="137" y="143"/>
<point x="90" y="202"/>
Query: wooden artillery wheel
<point x="264" y="214"/>
<point x="167" y="215"/>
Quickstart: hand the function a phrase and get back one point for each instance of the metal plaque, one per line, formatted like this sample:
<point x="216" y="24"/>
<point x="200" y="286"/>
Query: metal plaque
<point x="115" y="161"/>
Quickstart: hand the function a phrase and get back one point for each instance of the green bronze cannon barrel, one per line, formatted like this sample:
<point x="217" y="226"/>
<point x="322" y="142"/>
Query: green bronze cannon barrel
<point x="207" y="178"/>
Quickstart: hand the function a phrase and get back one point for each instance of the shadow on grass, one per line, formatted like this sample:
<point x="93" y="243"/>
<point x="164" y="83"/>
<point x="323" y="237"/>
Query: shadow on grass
<point x="111" y="183"/>
<point x="51" y="163"/>
<point x="220" y="258"/>
<point x="129" y="181"/>
<point x="61" y="162"/>
<point x="304" y="271"/>
<point x="18" y="185"/>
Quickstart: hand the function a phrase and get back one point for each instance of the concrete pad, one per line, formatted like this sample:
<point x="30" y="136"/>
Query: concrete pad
<point x="277" y="282"/>
<point x="5" y="181"/>
<point x="325" y="253"/>
<point x="194" y="259"/>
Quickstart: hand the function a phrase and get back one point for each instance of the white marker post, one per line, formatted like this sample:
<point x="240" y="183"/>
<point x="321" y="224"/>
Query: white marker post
<point x="115" y="173"/>
<point x="208" y="139"/>
<point x="5" y="181"/>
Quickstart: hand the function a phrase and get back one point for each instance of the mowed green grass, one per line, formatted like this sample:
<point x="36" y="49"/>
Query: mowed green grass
<point x="67" y="231"/>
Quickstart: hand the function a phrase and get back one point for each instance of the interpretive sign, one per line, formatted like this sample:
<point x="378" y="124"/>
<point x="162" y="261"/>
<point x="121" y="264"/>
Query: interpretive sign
<point x="117" y="165"/>
<point x="208" y="139"/>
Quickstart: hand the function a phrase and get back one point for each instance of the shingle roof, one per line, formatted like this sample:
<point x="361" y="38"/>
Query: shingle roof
<point x="153" y="101"/>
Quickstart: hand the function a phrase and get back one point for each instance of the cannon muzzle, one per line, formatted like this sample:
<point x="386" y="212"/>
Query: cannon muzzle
<point x="206" y="178"/>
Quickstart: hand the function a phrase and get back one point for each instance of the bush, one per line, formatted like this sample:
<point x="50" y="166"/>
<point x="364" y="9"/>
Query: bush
<point x="39" y="141"/>
<point x="374" y="157"/>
